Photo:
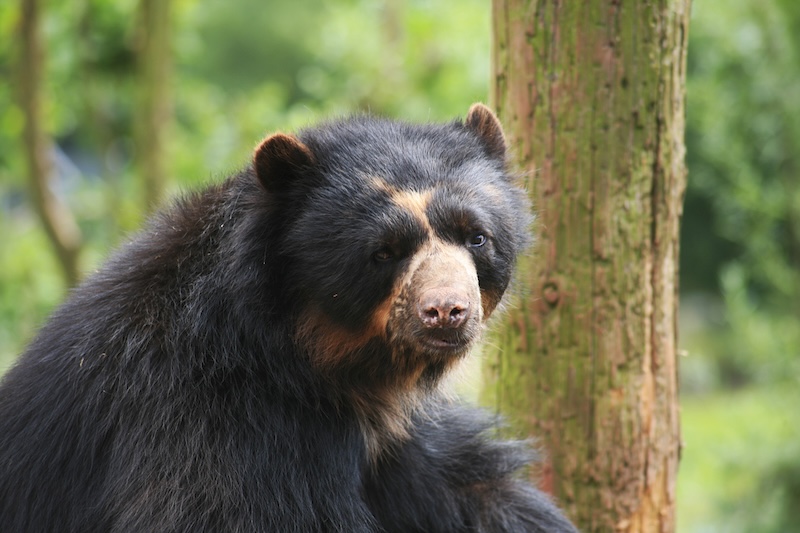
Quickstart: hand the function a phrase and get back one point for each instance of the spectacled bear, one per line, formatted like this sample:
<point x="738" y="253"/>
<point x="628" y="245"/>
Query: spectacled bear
<point x="266" y="355"/>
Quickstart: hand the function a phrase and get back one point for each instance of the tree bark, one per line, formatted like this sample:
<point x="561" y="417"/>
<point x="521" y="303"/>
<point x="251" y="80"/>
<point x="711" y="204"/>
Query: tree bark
<point x="592" y="98"/>
<point x="155" y="109"/>
<point x="60" y="226"/>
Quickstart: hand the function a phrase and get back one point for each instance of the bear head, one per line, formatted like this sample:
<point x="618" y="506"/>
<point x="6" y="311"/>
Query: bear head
<point x="398" y="243"/>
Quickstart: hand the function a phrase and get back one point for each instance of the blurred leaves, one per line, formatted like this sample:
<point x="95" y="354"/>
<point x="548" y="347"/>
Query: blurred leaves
<point x="740" y="267"/>
<point x="741" y="233"/>
<point x="740" y="450"/>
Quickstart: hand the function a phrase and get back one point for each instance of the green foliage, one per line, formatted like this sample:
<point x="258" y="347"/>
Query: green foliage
<point x="11" y="119"/>
<point x="741" y="248"/>
<point x="729" y="440"/>
<point x="741" y="233"/>
<point x="248" y="70"/>
<point x="420" y="59"/>
<point x="774" y="506"/>
<point x="31" y="283"/>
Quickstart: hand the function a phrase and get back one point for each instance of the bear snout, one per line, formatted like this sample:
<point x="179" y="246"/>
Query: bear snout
<point x="443" y="308"/>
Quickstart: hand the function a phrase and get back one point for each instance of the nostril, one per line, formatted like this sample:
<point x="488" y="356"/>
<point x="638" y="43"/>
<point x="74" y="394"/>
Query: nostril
<point x="458" y="314"/>
<point x="432" y="312"/>
<point x="432" y="316"/>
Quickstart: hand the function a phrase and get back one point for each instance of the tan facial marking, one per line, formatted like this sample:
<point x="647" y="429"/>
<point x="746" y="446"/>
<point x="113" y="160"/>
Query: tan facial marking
<point x="414" y="202"/>
<point x="329" y="344"/>
<point x="378" y="183"/>
<point x="436" y="264"/>
<point x="451" y="260"/>
<point x="489" y="302"/>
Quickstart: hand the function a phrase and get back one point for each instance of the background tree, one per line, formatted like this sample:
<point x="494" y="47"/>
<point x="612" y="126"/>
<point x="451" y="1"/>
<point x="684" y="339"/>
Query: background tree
<point x="154" y="55"/>
<point x="61" y="228"/>
<point x="592" y="96"/>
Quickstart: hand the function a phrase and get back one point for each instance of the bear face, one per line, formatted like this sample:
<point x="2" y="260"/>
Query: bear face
<point x="399" y="241"/>
<point x="400" y="235"/>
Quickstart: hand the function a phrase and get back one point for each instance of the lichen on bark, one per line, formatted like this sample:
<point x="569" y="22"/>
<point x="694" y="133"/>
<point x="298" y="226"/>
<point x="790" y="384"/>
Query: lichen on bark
<point x="591" y="95"/>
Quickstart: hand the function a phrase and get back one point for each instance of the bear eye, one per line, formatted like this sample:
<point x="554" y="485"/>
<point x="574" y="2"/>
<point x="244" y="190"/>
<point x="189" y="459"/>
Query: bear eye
<point x="383" y="255"/>
<point x="476" y="240"/>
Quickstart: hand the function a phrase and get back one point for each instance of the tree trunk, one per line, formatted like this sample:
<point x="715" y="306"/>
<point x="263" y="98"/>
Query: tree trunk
<point x="154" y="110"/>
<point x="592" y="98"/>
<point x="56" y="218"/>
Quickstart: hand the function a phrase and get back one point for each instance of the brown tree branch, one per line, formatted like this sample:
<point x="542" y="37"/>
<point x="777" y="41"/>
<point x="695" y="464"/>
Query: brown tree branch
<point x="56" y="218"/>
<point x="155" y="109"/>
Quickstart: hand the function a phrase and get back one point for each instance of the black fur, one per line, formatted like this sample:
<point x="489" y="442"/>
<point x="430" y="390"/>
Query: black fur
<point x="172" y="393"/>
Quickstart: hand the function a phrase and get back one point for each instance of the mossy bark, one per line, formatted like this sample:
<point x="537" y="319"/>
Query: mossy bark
<point x="591" y="95"/>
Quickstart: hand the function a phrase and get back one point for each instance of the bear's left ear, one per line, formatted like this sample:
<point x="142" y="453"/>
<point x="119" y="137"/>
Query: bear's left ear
<point x="481" y="120"/>
<point x="279" y="158"/>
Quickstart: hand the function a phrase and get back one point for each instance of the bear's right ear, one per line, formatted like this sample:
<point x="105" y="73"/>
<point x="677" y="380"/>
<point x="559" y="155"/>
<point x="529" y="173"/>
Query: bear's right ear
<point x="278" y="159"/>
<point x="484" y="122"/>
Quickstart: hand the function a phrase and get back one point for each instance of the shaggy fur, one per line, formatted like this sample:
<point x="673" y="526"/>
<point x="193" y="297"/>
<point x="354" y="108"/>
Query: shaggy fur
<point x="265" y="356"/>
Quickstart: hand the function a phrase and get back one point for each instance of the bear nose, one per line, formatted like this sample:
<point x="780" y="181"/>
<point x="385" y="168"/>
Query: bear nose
<point x="439" y="309"/>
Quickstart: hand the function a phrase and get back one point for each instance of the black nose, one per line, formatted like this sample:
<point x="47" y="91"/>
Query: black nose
<point x="440" y="309"/>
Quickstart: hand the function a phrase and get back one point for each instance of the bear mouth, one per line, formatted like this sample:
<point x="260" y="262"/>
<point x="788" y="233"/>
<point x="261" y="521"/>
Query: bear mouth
<point x="444" y="342"/>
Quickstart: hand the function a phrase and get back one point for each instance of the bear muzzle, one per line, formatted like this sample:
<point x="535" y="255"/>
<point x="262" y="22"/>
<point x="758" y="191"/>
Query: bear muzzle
<point x="443" y="303"/>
